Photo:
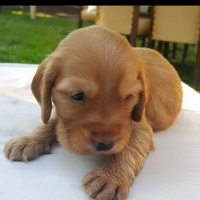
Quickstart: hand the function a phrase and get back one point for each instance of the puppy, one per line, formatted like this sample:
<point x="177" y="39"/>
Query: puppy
<point x="109" y="98"/>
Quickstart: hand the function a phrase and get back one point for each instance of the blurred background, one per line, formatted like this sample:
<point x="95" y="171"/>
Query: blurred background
<point x="29" y="33"/>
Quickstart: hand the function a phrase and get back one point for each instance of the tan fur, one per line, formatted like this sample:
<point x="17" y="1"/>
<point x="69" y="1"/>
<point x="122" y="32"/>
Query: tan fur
<point x="102" y="65"/>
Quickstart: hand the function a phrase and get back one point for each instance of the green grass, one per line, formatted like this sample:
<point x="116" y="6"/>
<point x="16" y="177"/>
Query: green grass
<point x="28" y="41"/>
<point x="23" y="40"/>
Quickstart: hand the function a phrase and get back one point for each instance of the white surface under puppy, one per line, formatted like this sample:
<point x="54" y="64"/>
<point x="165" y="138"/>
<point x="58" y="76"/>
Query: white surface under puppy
<point x="172" y="171"/>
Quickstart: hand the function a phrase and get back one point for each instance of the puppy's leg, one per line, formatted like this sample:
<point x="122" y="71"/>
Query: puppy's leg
<point x="113" y="179"/>
<point x="38" y="142"/>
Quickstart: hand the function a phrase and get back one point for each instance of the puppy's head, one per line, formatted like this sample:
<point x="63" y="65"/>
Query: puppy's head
<point x="96" y="82"/>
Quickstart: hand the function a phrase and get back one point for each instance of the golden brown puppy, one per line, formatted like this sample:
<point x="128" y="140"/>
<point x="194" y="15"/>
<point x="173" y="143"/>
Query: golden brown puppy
<point x="108" y="97"/>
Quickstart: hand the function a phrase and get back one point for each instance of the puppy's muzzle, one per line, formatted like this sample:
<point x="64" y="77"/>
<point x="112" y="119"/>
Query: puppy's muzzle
<point x="100" y="146"/>
<point x="104" y="136"/>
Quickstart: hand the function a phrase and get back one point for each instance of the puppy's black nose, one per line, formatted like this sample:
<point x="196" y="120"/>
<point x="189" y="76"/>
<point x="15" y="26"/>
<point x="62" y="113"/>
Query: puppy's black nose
<point x="100" y="146"/>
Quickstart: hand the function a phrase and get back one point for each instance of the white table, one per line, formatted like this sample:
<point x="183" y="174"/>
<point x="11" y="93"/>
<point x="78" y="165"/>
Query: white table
<point x="171" y="172"/>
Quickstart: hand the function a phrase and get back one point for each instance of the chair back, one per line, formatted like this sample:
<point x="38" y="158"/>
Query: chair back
<point x="116" y="18"/>
<point x="179" y="24"/>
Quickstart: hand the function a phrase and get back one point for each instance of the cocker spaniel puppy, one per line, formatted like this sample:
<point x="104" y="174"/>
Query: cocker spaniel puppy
<point x="108" y="99"/>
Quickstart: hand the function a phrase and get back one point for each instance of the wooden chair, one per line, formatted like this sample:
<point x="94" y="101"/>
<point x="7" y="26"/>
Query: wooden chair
<point x="177" y="24"/>
<point x="122" y="19"/>
<point x="86" y="13"/>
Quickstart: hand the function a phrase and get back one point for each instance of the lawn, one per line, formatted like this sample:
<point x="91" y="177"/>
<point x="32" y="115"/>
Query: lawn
<point x="23" y="40"/>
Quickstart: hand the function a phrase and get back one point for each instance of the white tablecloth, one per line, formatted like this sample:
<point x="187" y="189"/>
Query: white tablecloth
<point x="172" y="171"/>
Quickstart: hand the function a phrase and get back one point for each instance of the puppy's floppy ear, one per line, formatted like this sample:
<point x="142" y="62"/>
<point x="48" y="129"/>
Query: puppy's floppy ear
<point x="139" y="109"/>
<point x="41" y="87"/>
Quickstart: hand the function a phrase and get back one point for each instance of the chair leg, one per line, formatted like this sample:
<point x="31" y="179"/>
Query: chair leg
<point x="184" y="52"/>
<point x="197" y="67"/>
<point x="143" y="41"/>
<point x="134" y="26"/>
<point x="174" y="51"/>
<point x="128" y="37"/>
<point x="132" y="40"/>
<point x="151" y="43"/>
<point x="166" y="49"/>
<point x="80" y="21"/>
<point x="160" y="44"/>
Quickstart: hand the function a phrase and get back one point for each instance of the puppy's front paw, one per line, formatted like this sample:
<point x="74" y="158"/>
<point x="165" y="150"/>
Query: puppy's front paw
<point x="25" y="149"/>
<point x="105" y="185"/>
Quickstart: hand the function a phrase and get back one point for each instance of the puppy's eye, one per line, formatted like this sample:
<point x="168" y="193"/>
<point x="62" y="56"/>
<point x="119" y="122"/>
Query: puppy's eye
<point x="128" y="97"/>
<point x="78" y="97"/>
